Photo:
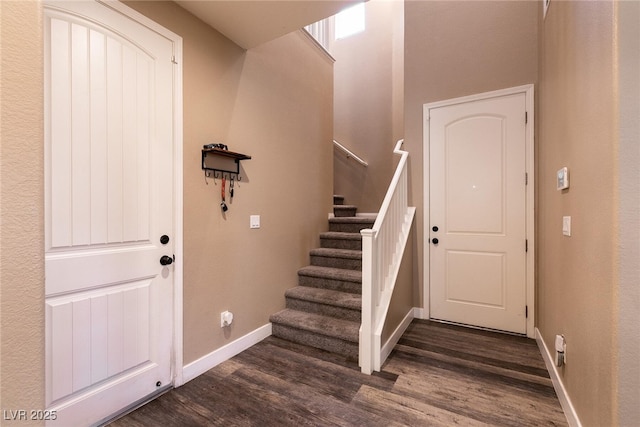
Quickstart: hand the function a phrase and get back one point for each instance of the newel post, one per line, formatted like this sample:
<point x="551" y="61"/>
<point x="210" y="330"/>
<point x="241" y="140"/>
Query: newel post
<point x="368" y="304"/>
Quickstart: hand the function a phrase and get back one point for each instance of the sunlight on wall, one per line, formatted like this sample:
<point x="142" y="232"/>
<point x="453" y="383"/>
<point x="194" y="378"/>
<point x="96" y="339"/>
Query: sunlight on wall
<point x="350" y="21"/>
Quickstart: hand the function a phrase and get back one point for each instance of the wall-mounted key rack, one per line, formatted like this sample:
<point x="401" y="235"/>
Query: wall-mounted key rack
<point x="221" y="162"/>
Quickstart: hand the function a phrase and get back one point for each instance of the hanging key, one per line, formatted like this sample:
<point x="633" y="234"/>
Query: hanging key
<point x="223" y="205"/>
<point x="231" y="188"/>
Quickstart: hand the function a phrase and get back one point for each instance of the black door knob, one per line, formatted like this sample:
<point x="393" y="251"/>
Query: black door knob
<point x="434" y="241"/>
<point x="166" y="260"/>
<point x="434" y="228"/>
<point x="164" y="239"/>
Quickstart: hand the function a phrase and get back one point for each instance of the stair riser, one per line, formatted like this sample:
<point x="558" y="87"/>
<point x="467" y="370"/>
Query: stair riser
<point x="324" y="309"/>
<point x="333" y="262"/>
<point x="348" y="227"/>
<point x="344" y="212"/>
<point x="355" y="245"/>
<point x="334" y="345"/>
<point x="332" y="284"/>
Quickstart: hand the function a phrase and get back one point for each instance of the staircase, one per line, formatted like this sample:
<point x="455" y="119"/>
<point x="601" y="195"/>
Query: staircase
<point x="324" y="310"/>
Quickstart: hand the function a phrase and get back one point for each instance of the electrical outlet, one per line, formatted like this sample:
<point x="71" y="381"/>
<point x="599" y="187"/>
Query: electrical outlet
<point x="561" y="350"/>
<point x="254" y="221"/>
<point x="226" y="319"/>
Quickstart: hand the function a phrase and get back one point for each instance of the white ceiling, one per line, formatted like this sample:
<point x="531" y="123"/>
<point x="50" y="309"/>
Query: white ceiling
<point x="250" y="23"/>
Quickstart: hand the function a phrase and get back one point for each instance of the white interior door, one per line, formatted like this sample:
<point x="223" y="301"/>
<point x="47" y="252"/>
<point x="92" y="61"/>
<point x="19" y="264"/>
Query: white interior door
<point x="109" y="145"/>
<point x="477" y="214"/>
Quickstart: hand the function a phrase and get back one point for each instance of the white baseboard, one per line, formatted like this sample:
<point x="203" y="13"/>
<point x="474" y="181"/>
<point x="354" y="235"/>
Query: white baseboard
<point x="420" y="313"/>
<point x="563" y="397"/>
<point x="387" y="348"/>
<point x="208" y="361"/>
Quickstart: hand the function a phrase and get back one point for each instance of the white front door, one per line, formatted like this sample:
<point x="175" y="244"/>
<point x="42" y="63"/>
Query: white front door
<point x="477" y="215"/>
<point x="109" y="144"/>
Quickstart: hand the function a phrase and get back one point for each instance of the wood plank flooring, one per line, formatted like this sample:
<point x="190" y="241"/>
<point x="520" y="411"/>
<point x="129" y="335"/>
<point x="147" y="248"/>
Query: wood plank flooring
<point x="437" y="375"/>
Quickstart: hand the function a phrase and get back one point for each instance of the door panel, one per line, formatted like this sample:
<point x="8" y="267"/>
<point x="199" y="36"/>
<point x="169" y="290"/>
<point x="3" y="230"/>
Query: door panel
<point x="477" y="201"/>
<point x="109" y="198"/>
<point x="97" y="335"/>
<point x="100" y="137"/>
<point x="472" y="185"/>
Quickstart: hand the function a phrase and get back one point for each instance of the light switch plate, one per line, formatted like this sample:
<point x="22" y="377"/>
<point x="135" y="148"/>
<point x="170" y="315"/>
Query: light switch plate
<point x="566" y="225"/>
<point x="563" y="178"/>
<point x="254" y="221"/>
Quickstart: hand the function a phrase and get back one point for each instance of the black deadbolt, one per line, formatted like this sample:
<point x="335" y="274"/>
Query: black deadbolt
<point x="164" y="239"/>
<point x="434" y="241"/>
<point x="434" y="228"/>
<point x="166" y="260"/>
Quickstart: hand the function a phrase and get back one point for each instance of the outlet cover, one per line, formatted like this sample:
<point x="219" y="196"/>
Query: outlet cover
<point x="254" y="221"/>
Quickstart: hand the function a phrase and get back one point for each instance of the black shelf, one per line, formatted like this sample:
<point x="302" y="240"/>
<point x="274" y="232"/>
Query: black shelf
<point x="223" y="165"/>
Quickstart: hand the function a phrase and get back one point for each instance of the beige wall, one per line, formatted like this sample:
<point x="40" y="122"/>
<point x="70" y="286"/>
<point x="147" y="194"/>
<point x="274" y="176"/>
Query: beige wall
<point x="402" y="300"/>
<point x="368" y="116"/>
<point x="21" y="208"/>
<point x="273" y="102"/>
<point x="455" y="49"/>
<point x="628" y="293"/>
<point x="588" y="121"/>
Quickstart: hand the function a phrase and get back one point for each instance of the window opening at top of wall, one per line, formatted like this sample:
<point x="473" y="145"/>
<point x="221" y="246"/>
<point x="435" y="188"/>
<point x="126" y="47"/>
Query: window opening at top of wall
<point x="349" y="22"/>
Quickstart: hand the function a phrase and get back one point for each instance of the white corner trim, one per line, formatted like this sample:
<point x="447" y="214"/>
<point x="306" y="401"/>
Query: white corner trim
<point x="563" y="397"/>
<point x="226" y="352"/>
<point x="387" y="348"/>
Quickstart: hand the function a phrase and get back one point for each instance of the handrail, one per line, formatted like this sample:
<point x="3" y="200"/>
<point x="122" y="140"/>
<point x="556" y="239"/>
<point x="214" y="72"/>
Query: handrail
<point x="383" y="246"/>
<point x="350" y="154"/>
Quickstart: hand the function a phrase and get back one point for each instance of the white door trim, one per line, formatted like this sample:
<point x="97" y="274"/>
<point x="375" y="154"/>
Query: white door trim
<point x="528" y="90"/>
<point x="176" y="358"/>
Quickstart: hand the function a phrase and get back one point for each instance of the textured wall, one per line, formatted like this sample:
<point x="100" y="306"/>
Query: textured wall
<point x="273" y="102"/>
<point x="628" y="295"/>
<point x="458" y="48"/>
<point x="576" y="128"/>
<point x="21" y="208"/>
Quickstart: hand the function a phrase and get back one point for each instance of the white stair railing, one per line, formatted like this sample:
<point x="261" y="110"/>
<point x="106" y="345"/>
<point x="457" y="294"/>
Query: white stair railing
<point x="349" y="153"/>
<point x="382" y="250"/>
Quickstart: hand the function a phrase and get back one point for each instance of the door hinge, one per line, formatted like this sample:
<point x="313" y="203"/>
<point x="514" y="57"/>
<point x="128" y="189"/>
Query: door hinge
<point x="526" y="117"/>
<point x="526" y="245"/>
<point x="526" y="178"/>
<point x="526" y="311"/>
<point x="173" y="59"/>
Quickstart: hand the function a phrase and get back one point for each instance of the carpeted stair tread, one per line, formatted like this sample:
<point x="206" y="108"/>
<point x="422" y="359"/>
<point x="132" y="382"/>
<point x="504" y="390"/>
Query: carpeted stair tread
<point x="337" y="279"/>
<point x="350" y="224"/>
<point x="322" y="325"/>
<point x="326" y="296"/>
<point x="353" y="219"/>
<point x="325" y="309"/>
<point x="336" y="253"/>
<point x="338" y="240"/>
<point x="340" y="236"/>
<point x="331" y="273"/>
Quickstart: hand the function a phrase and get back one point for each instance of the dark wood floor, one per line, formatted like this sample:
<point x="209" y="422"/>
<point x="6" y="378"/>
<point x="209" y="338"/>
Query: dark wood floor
<point x="438" y="375"/>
